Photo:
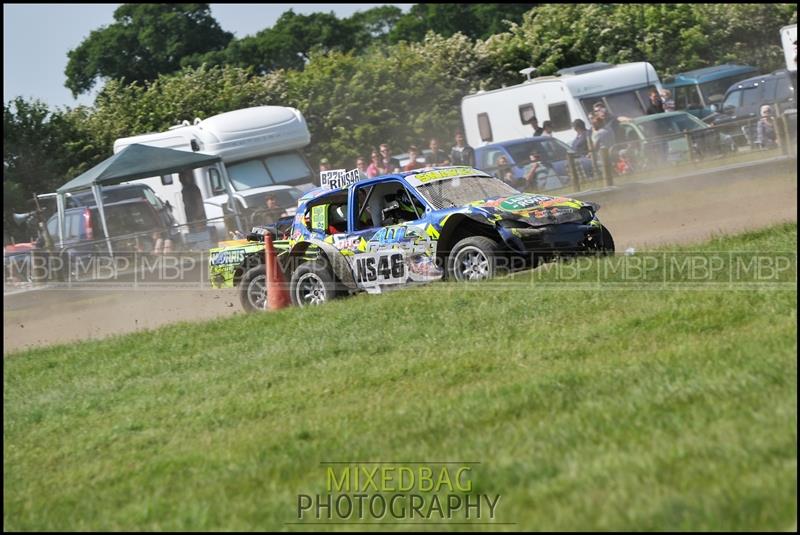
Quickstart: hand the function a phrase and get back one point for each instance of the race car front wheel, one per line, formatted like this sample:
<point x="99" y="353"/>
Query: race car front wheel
<point x="473" y="259"/>
<point x="312" y="284"/>
<point x="253" y="289"/>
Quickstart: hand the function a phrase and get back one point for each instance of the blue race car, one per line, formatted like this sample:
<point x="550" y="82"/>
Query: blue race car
<point x="455" y="223"/>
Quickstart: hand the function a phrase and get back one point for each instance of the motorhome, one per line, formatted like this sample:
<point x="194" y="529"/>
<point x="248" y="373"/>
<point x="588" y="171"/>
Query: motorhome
<point x="260" y="151"/>
<point x="504" y="114"/>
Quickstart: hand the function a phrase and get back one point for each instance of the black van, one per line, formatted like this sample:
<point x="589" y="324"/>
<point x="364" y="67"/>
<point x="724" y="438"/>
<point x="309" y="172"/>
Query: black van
<point x="744" y="99"/>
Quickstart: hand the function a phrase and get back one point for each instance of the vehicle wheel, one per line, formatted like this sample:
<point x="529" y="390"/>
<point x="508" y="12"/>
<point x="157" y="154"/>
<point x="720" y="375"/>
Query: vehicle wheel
<point x="253" y="289"/>
<point x="606" y="246"/>
<point x="473" y="259"/>
<point x="312" y="283"/>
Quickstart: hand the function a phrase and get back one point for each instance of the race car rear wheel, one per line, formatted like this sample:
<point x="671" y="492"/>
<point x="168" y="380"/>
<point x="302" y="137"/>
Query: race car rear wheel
<point x="312" y="284"/>
<point x="606" y="243"/>
<point x="253" y="289"/>
<point x="473" y="259"/>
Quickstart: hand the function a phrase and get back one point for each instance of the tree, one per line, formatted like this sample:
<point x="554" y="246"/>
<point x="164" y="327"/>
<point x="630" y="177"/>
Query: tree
<point x="144" y="41"/>
<point x="34" y="155"/>
<point x="477" y="21"/>
<point x="289" y="43"/>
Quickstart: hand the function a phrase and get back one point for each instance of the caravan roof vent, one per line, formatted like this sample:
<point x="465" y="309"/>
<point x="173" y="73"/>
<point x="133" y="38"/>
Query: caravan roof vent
<point x="183" y="123"/>
<point x="583" y="69"/>
<point x="527" y="71"/>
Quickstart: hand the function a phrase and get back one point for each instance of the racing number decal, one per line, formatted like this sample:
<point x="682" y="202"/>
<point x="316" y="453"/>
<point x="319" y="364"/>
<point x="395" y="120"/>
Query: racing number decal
<point x="380" y="268"/>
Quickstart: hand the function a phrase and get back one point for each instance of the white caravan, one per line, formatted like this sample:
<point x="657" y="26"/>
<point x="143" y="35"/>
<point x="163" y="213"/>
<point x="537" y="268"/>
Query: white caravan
<point x="503" y="114"/>
<point x="260" y="150"/>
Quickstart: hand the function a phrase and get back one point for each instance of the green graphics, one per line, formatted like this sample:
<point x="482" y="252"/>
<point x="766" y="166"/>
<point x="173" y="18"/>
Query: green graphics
<point x="223" y="262"/>
<point x="319" y="217"/>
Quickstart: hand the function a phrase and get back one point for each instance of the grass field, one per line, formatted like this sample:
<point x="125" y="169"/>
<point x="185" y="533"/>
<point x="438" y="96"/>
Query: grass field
<point x="587" y="407"/>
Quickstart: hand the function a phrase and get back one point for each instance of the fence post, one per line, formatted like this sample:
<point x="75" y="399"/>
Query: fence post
<point x="690" y="146"/>
<point x="573" y="171"/>
<point x="606" y="161"/>
<point x="782" y="133"/>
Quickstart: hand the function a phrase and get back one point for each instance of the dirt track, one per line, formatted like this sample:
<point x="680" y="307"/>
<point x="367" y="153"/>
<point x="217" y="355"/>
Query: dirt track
<point x="678" y="211"/>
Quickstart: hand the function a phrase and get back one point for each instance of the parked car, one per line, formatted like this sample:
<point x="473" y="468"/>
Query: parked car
<point x="135" y="224"/>
<point x="743" y="101"/>
<point x="553" y="153"/>
<point x="700" y="90"/>
<point x="656" y="139"/>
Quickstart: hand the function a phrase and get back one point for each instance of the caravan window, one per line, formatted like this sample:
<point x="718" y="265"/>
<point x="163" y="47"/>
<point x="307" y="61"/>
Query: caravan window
<point x="625" y="104"/>
<point x="289" y="168"/>
<point x="250" y="174"/>
<point x="217" y="188"/>
<point x="526" y="113"/>
<point x="559" y="117"/>
<point x="485" y="127"/>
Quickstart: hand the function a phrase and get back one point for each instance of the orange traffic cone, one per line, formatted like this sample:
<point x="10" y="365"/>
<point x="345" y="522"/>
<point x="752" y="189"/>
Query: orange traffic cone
<point x="277" y="289"/>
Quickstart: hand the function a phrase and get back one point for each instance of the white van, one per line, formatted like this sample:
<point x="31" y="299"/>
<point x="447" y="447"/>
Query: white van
<point x="260" y="150"/>
<point x="503" y="114"/>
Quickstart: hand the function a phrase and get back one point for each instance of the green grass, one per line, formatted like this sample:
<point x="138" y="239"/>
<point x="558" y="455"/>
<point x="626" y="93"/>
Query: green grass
<point x="587" y="407"/>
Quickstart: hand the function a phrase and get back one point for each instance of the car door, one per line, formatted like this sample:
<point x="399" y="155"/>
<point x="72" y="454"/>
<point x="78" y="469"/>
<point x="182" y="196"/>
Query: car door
<point x="388" y="243"/>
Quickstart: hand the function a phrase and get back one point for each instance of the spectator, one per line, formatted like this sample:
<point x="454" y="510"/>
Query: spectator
<point x="413" y="154"/>
<point x="602" y="137"/>
<point x="324" y="165"/>
<point x="610" y="121"/>
<point x="539" y="176"/>
<point x="666" y="97"/>
<point x="504" y="171"/>
<point x="534" y="122"/>
<point x="624" y="164"/>
<point x="656" y="104"/>
<point x="392" y="165"/>
<point x="269" y="214"/>
<point x="376" y="167"/>
<point x="547" y="128"/>
<point x="766" y="137"/>
<point x="580" y="145"/>
<point x="437" y="156"/>
<point x="461" y="153"/>
<point x="361" y="165"/>
<point x="192" y="201"/>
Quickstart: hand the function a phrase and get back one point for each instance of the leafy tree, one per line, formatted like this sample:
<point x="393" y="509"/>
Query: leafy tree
<point x="374" y="25"/>
<point x="34" y="155"/>
<point x="144" y="41"/>
<point x="289" y="43"/>
<point x="477" y="21"/>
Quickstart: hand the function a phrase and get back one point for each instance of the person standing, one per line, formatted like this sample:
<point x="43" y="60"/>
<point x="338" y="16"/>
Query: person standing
<point x="461" y="153"/>
<point x="192" y="201"/>
<point x="391" y="164"/>
<point x="666" y="97"/>
<point x="537" y="130"/>
<point x="766" y="137"/>
<point x="413" y="154"/>
<point x="656" y="104"/>
<point x="375" y="168"/>
<point x="580" y="145"/>
<point x="361" y="165"/>
<point x="437" y="156"/>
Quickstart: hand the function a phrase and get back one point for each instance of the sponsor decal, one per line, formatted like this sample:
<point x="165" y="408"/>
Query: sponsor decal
<point x="522" y="202"/>
<point x="227" y="256"/>
<point x="338" y="178"/>
<point x="429" y="176"/>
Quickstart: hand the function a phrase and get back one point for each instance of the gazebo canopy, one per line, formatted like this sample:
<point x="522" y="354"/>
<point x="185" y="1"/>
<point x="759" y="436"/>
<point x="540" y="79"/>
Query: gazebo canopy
<point x="138" y="161"/>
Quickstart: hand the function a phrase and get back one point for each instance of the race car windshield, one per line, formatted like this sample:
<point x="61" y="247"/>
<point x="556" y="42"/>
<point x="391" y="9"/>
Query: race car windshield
<point x="459" y="191"/>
